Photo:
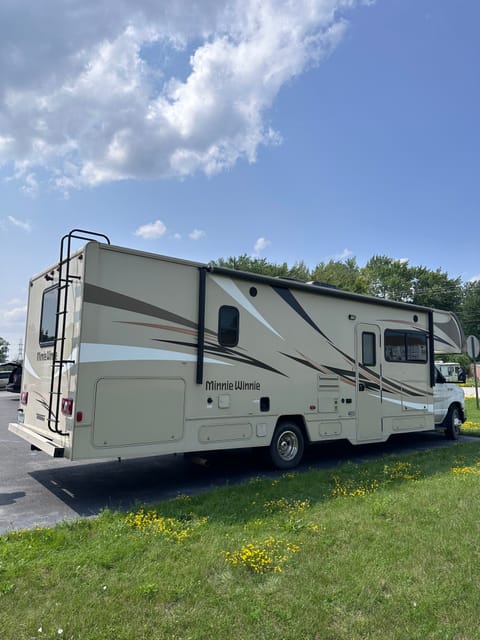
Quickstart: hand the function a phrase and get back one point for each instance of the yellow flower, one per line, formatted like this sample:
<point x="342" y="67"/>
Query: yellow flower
<point x="262" y="557"/>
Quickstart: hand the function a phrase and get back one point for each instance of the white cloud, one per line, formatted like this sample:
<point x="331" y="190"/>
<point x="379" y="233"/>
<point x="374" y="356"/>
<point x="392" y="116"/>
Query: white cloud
<point x="21" y="224"/>
<point x="88" y="96"/>
<point x="151" y="231"/>
<point x="177" y="236"/>
<point x="12" y="326"/>
<point x="15" y="315"/>
<point x="346" y="253"/>
<point x="475" y="278"/>
<point x="30" y="185"/>
<point x="197" y="234"/>
<point x="260" y="245"/>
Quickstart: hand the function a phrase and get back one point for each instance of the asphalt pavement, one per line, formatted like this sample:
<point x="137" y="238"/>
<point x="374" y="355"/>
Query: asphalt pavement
<point x="36" y="490"/>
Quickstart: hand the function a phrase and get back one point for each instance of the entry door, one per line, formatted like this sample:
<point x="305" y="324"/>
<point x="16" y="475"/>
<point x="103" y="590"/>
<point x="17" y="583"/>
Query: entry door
<point x="369" y="382"/>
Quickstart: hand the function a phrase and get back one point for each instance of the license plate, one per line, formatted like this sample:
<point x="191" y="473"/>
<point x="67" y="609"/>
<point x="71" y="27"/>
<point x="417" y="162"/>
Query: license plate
<point x="20" y="417"/>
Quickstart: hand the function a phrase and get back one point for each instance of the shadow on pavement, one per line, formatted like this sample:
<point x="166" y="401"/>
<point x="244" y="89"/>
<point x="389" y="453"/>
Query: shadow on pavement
<point x="11" y="498"/>
<point x="89" y="488"/>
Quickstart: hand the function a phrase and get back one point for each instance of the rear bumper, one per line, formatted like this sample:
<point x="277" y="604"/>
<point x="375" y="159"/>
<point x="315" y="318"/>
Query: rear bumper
<point x="37" y="440"/>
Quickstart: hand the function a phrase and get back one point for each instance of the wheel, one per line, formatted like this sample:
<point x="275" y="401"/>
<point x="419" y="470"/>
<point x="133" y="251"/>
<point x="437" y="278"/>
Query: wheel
<point x="453" y="423"/>
<point x="287" y="446"/>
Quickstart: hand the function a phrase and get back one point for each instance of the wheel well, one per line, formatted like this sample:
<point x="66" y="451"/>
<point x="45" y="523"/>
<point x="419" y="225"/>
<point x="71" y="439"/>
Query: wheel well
<point x="455" y="405"/>
<point x="299" y="420"/>
<point x="458" y="406"/>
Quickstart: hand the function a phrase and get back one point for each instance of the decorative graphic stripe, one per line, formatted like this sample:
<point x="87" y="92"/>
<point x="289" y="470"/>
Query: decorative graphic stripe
<point x="229" y="354"/>
<point x="109" y="298"/>
<point x="292" y="302"/>
<point x="28" y="367"/>
<point x="162" y="327"/>
<point x="369" y="378"/>
<point x="388" y="385"/>
<point x="231" y="288"/>
<point x="306" y="363"/>
<point x="93" y="352"/>
<point x="418" y="406"/>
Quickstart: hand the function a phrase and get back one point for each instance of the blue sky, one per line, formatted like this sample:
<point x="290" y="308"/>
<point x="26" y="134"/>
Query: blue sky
<point x="304" y="130"/>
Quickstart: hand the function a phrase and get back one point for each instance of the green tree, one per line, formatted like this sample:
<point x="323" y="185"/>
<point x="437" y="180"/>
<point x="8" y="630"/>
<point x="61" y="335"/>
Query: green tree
<point x="343" y="274"/>
<point x="389" y="278"/>
<point x="436" y="289"/>
<point x="4" y="345"/>
<point x="262" y="266"/>
<point x="470" y="310"/>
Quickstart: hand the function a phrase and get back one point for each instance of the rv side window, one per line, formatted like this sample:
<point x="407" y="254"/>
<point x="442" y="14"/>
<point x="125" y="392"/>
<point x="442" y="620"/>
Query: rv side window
<point x="228" y="324"/>
<point x="416" y="347"/>
<point x="47" y="320"/>
<point x="369" y="356"/>
<point x="405" y="346"/>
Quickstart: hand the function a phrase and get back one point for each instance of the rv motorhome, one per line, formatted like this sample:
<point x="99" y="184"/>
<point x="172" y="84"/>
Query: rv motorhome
<point x="449" y="370"/>
<point x="131" y="354"/>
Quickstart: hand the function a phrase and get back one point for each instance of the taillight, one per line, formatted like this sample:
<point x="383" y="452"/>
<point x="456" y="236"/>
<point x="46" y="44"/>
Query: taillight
<point x="24" y="397"/>
<point x="67" y="406"/>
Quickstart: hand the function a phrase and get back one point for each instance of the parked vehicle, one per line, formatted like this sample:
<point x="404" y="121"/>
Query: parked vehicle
<point x="4" y="377"/>
<point x="15" y="379"/>
<point x="449" y="370"/>
<point x="449" y="405"/>
<point x="132" y="354"/>
<point x="7" y="370"/>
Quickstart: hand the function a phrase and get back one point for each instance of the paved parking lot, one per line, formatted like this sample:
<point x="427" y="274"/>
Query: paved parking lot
<point x="38" y="490"/>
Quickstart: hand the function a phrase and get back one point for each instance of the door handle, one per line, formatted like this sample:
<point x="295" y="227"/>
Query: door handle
<point x="361" y="386"/>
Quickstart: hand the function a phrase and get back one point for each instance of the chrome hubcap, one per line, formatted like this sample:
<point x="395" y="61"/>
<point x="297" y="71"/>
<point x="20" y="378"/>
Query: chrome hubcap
<point x="287" y="446"/>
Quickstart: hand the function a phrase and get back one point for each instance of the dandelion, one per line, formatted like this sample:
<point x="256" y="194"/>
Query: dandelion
<point x="402" y="471"/>
<point x="469" y="425"/>
<point x="465" y="470"/>
<point x="284" y="504"/>
<point x="349" y="489"/>
<point x="262" y="557"/>
<point x="173" y="529"/>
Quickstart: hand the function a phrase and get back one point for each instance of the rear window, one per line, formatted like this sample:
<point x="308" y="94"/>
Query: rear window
<point x="48" y="317"/>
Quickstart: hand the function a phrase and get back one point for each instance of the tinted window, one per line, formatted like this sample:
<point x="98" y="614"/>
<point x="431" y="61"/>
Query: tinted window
<point x="369" y="357"/>
<point x="416" y="347"/>
<point x="228" y="323"/>
<point x="405" y="346"/>
<point x="47" y="321"/>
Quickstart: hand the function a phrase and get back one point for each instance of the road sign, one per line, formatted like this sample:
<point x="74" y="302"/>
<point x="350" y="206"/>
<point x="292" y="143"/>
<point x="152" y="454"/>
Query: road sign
<point x="473" y="347"/>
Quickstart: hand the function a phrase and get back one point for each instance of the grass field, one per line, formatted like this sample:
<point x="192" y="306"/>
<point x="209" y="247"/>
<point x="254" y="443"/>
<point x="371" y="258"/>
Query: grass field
<point x="382" y="550"/>
<point x="472" y="425"/>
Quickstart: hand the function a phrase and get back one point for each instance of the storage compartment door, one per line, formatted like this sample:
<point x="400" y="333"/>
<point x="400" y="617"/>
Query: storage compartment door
<point x="133" y="411"/>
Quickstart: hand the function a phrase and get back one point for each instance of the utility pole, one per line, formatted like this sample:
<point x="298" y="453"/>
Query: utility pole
<point x="19" y="357"/>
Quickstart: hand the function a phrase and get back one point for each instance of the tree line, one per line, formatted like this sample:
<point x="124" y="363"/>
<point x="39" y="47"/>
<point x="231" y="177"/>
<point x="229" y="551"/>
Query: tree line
<point x="382" y="277"/>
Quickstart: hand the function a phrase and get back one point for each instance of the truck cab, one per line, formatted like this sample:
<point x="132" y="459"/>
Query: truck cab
<point x="449" y="406"/>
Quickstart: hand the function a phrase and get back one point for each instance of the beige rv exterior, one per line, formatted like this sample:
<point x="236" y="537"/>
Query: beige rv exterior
<point x="144" y="355"/>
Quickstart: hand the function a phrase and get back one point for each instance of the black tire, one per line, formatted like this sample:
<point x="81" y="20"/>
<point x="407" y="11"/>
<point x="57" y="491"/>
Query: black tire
<point x="287" y="446"/>
<point x="453" y="423"/>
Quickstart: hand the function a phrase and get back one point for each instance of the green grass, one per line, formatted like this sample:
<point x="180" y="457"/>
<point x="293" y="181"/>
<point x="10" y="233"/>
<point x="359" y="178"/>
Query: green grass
<point x="472" y="425"/>
<point x="382" y="550"/>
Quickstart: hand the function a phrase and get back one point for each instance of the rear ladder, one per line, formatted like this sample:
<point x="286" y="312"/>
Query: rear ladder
<point x="59" y="361"/>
